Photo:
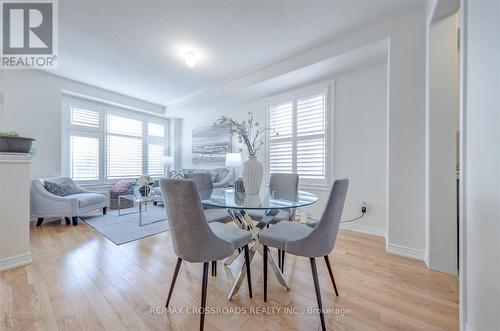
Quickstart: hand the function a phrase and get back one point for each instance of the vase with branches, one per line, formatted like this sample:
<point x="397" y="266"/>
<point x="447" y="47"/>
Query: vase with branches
<point x="250" y="134"/>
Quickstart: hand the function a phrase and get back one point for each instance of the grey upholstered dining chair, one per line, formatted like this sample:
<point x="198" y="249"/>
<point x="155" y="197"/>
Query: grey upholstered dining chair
<point x="205" y="186"/>
<point x="302" y="240"/>
<point x="194" y="239"/>
<point x="281" y="186"/>
<point x="203" y="183"/>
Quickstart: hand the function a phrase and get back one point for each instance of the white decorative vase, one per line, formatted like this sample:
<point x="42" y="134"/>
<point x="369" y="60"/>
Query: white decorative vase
<point x="252" y="172"/>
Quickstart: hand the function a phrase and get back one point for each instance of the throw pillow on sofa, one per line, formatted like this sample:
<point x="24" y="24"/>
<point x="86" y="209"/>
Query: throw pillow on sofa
<point x="122" y="186"/>
<point x="177" y="174"/>
<point x="61" y="189"/>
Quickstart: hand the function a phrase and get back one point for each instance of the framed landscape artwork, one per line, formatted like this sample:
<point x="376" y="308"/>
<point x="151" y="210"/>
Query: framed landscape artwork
<point x="211" y="144"/>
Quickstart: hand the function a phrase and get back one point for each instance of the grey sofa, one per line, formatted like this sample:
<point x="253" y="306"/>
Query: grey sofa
<point x="221" y="177"/>
<point x="45" y="204"/>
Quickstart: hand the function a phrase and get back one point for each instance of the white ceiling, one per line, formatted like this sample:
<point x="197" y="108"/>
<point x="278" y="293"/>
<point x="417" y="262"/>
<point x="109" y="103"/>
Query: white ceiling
<point x="315" y="73"/>
<point x="131" y="47"/>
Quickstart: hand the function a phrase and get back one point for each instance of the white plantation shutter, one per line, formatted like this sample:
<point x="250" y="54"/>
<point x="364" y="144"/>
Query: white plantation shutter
<point x="156" y="130"/>
<point x="298" y="136"/>
<point x="124" y="125"/>
<point x="311" y="136"/>
<point x="280" y="157"/>
<point x="311" y="160"/>
<point x="124" y="157"/>
<point x="281" y="147"/>
<point x="311" y="115"/>
<point x="281" y="121"/>
<point x="84" y="117"/>
<point x="124" y="147"/>
<point x="84" y="157"/>
<point x="155" y="159"/>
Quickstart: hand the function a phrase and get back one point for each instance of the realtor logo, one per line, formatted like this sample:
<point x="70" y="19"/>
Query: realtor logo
<point x="29" y="34"/>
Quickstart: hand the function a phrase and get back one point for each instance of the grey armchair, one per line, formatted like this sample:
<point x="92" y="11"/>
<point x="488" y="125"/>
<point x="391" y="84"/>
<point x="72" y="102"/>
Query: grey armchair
<point x="194" y="239"/>
<point x="44" y="204"/>
<point x="302" y="240"/>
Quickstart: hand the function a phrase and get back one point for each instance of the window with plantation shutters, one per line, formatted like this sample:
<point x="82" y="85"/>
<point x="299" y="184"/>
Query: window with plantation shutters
<point x="84" y="157"/>
<point x="124" y="147"/>
<point x="84" y="117"/>
<point x="124" y="157"/>
<point x="297" y="141"/>
<point x="155" y="159"/>
<point x="311" y="136"/>
<point x="102" y="143"/>
<point x="280" y="146"/>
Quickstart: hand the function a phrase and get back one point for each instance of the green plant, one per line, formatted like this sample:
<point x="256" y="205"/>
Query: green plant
<point x="9" y="134"/>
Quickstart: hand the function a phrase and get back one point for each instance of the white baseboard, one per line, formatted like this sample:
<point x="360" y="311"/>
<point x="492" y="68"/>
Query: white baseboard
<point x="363" y="229"/>
<point x="15" y="261"/>
<point x="417" y="254"/>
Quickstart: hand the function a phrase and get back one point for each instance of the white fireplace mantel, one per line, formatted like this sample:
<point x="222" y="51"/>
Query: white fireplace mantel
<point x="14" y="210"/>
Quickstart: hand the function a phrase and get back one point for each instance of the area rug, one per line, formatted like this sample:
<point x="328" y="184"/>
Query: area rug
<point x="125" y="228"/>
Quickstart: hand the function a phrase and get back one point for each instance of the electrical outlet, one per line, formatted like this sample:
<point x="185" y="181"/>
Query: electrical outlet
<point x="363" y="207"/>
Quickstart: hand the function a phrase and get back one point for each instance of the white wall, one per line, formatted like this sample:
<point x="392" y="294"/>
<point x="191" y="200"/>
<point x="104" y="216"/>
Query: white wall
<point x="442" y="125"/>
<point x="361" y="144"/>
<point x="360" y="150"/>
<point x="32" y="107"/>
<point x="481" y="102"/>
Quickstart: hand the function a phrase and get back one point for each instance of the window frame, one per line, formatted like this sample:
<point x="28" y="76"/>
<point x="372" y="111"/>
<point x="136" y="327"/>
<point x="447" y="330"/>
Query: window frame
<point x="104" y="109"/>
<point x="155" y="141"/>
<point x="293" y="96"/>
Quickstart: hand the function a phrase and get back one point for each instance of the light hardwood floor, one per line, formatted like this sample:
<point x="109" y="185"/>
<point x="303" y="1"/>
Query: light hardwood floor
<point x="79" y="280"/>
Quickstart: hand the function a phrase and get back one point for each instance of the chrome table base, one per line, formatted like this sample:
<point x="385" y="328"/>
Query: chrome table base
<point x="235" y="265"/>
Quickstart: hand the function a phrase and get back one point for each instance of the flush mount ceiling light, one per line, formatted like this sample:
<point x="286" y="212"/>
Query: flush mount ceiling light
<point x="190" y="58"/>
<point x="188" y="53"/>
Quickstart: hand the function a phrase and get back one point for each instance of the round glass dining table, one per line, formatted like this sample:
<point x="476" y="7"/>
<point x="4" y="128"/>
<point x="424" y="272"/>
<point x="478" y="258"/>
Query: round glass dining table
<point x="237" y="205"/>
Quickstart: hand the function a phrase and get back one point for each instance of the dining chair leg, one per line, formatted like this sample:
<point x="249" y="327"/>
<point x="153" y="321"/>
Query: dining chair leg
<point x="247" y="263"/>
<point x="330" y="271"/>
<point x="265" y="272"/>
<point x="282" y="261"/>
<point x="214" y="268"/>
<point x="279" y="258"/>
<point x="174" y="278"/>
<point x="39" y="221"/>
<point x="318" y="292"/>
<point x="68" y="221"/>
<point x="204" y="284"/>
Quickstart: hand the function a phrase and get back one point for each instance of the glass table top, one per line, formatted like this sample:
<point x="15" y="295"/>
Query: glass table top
<point x="228" y="198"/>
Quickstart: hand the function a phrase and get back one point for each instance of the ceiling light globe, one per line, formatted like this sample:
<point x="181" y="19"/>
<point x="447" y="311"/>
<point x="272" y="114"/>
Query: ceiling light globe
<point x="190" y="59"/>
